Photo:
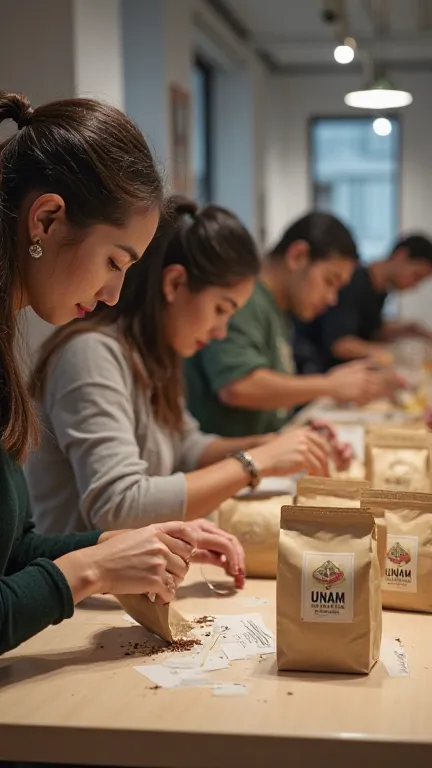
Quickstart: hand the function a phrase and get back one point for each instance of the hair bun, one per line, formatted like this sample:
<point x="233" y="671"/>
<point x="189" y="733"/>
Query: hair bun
<point x="182" y="206"/>
<point x="16" y="107"/>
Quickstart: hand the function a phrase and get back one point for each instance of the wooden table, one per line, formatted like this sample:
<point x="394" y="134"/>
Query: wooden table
<point x="71" y="695"/>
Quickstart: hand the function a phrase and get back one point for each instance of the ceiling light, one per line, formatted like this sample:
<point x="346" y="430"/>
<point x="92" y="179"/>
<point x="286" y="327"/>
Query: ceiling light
<point x="343" y="54"/>
<point x="382" y="126"/>
<point x="381" y="94"/>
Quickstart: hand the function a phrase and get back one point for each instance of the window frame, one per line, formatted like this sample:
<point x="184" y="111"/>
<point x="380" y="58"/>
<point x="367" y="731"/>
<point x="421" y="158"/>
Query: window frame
<point x="391" y="116"/>
<point x="206" y="70"/>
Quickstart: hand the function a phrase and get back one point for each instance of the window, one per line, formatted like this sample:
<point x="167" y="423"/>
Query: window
<point x="202" y="80"/>
<point x="355" y="176"/>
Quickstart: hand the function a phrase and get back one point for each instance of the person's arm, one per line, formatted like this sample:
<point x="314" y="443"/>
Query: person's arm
<point x="354" y="348"/>
<point x="212" y="477"/>
<point x="267" y="389"/>
<point x="295" y="450"/>
<point x="220" y="447"/>
<point x="396" y="329"/>
<point x="33" y="546"/>
<point x="89" y="403"/>
<point x="196" y="450"/>
<point x="34" y="592"/>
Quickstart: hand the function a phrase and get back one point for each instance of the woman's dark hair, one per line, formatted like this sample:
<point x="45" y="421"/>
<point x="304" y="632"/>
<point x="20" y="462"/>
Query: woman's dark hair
<point x="98" y="161"/>
<point x="325" y="235"/>
<point x="214" y="248"/>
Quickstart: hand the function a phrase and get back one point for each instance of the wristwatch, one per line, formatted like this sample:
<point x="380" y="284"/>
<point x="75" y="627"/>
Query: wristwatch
<point x="249" y="467"/>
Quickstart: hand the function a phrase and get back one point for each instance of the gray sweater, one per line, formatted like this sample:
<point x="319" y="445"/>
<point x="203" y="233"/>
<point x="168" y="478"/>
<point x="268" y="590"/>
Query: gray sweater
<point x="104" y="461"/>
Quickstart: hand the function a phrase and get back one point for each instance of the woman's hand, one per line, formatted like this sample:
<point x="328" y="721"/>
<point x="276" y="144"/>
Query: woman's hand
<point x="151" y="560"/>
<point x="342" y="453"/>
<point x="217" y="547"/>
<point x="294" y="450"/>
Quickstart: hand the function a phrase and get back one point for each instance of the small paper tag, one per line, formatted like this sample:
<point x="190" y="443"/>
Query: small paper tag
<point x="394" y="657"/>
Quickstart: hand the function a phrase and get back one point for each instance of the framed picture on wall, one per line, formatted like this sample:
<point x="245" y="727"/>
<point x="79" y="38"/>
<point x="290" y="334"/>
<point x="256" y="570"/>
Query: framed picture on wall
<point x="181" y="128"/>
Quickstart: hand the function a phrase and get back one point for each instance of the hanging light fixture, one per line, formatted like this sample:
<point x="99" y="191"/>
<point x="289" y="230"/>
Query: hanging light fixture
<point x="345" y="52"/>
<point x="382" y="126"/>
<point x="380" y="94"/>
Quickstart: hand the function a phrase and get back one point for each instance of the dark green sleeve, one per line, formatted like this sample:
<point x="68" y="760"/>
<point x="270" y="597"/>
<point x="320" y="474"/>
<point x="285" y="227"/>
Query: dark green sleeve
<point x="33" y="545"/>
<point x="34" y="592"/>
<point x="30" y="601"/>
<point x="242" y="352"/>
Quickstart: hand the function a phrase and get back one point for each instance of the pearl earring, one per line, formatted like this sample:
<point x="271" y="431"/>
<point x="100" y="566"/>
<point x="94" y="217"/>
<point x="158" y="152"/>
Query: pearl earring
<point x="36" y="249"/>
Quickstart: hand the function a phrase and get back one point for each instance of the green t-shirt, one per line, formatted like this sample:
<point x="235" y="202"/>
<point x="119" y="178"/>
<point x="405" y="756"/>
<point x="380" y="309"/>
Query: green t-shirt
<point x="259" y="336"/>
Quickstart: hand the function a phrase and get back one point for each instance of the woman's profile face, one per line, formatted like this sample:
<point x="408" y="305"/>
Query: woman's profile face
<point x="194" y="319"/>
<point x="74" y="274"/>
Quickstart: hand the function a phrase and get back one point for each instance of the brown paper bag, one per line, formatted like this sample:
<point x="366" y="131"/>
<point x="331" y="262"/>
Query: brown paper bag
<point x="407" y="581"/>
<point x="329" y="492"/>
<point x="399" y="460"/>
<point x="163" y="620"/>
<point x="256" y="523"/>
<point x="373" y="501"/>
<point x="328" y="591"/>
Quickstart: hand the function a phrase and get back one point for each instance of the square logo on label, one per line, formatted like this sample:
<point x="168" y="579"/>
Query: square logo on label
<point x="401" y="564"/>
<point x="327" y="587"/>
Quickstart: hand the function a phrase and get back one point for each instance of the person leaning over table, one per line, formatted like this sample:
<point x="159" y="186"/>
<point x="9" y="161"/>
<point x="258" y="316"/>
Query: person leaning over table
<point x="80" y="201"/>
<point x="247" y="382"/>
<point x="355" y="327"/>
<point x="119" y="449"/>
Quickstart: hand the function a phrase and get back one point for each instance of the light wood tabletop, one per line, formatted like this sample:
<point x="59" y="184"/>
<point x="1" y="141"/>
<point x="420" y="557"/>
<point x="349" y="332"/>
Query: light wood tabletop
<point x="72" y="695"/>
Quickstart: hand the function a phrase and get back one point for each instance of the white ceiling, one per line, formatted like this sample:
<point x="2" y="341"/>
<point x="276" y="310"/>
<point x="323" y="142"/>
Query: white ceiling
<point x="293" y="33"/>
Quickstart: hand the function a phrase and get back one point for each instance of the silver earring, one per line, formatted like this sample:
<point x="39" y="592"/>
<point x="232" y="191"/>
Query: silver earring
<point x="36" y="250"/>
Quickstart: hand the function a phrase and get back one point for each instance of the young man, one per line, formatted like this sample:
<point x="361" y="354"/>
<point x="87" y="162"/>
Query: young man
<point x="355" y="328"/>
<point x="246" y="384"/>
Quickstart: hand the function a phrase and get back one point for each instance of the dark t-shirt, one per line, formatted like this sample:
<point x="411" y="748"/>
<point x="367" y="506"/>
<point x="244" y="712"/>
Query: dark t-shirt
<point x="358" y="313"/>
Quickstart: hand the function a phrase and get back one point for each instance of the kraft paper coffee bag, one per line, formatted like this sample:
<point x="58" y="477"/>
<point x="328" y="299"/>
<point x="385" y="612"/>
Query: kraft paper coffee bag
<point x="328" y="591"/>
<point x="329" y="492"/>
<point x="256" y="523"/>
<point x="399" y="460"/>
<point x="407" y="580"/>
<point x="163" y="620"/>
<point x="374" y="502"/>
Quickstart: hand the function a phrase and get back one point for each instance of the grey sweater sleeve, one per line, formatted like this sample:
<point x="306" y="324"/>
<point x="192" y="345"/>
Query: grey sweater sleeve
<point x="192" y="445"/>
<point x="89" y="402"/>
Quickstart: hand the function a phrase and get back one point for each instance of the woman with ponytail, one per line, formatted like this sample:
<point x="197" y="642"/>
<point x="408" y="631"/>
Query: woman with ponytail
<point x="119" y="449"/>
<point x="80" y="199"/>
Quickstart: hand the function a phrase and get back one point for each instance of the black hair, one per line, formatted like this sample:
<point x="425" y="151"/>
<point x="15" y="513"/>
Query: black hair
<point x="419" y="248"/>
<point x="325" y="235"/>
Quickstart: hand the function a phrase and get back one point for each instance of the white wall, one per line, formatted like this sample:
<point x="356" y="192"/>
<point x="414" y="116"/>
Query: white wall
<point x="98" y="50"/>
<point x="292" y="101"/>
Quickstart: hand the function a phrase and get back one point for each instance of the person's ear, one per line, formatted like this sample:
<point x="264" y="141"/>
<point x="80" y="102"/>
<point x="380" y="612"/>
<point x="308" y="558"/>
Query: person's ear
<point x="174" y="278"/>
<point x="297" y="256"/>
<point x="45" y="214"/>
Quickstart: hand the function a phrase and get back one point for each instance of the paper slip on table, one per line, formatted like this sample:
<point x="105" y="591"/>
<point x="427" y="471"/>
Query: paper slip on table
<point x="71" y="695"/>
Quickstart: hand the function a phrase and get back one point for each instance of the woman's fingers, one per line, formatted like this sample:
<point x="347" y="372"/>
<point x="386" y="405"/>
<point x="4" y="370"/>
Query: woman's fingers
<point x="222" y="547"/>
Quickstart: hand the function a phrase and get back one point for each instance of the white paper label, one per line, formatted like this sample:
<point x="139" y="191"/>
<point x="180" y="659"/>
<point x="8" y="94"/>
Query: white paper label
<point x="327" y="587"/>
<point x="401" y="564"/>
